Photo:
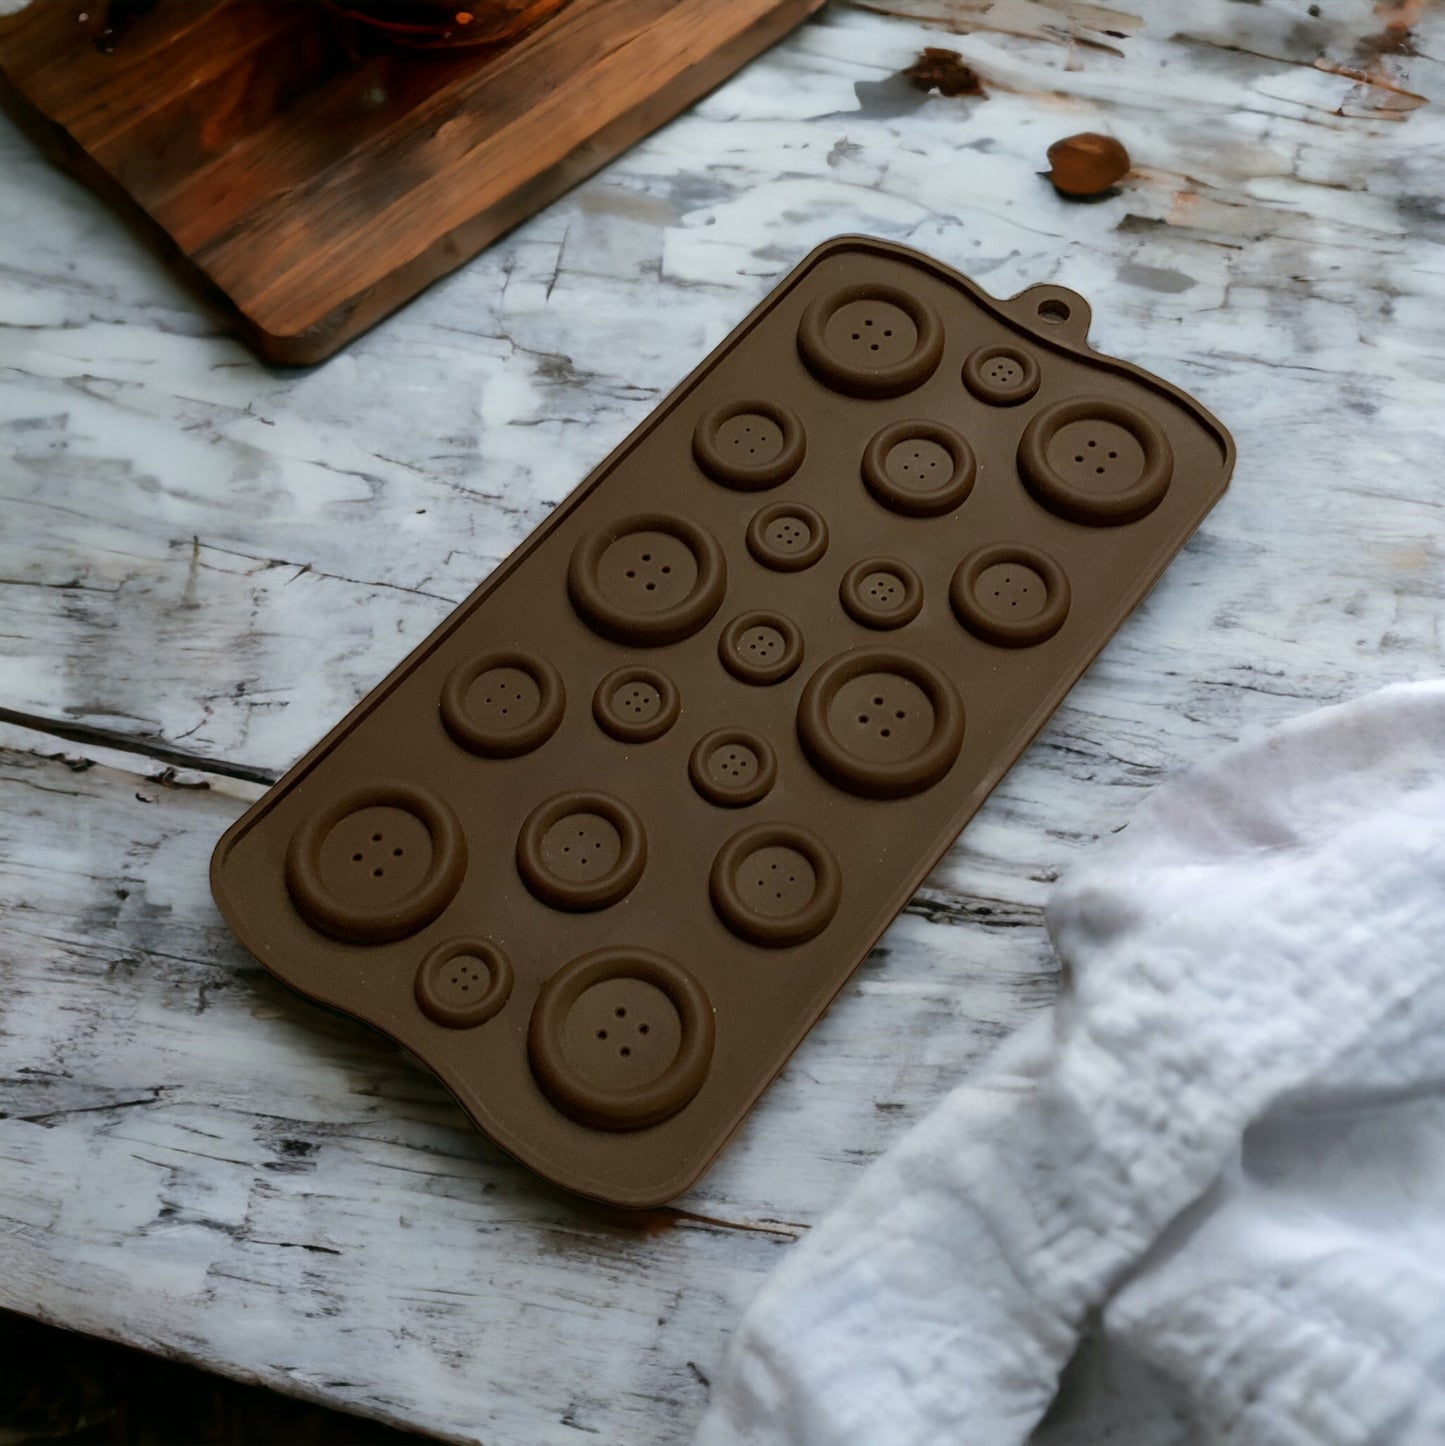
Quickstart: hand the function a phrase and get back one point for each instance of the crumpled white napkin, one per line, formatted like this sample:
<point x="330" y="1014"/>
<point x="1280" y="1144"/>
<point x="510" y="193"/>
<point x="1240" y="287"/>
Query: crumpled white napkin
<point x="1220" y="1159"/>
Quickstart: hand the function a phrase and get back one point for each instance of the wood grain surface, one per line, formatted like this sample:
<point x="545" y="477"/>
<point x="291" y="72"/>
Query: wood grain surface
<point x="204" y="562"/>
<point x="311" y="188"/>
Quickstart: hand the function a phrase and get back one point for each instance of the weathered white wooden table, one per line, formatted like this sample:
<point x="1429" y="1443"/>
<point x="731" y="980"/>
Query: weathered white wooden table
<point x="204" y="563"/>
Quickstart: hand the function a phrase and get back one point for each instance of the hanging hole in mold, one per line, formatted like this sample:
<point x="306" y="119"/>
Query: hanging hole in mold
<point x="1053" y="311"/>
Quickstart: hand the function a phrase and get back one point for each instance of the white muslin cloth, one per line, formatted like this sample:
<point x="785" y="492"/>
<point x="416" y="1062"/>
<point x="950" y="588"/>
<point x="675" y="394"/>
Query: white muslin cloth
<point x="1212" y="1178"/>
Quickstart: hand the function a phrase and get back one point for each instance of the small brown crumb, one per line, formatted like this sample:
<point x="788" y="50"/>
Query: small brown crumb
<point x="945" y="71"/>
<point x="1396" y="39"/>
<point x="1086" y="164"/>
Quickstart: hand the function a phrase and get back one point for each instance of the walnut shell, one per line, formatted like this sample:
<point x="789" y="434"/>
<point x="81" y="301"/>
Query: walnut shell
<point x="1086" y="164"/>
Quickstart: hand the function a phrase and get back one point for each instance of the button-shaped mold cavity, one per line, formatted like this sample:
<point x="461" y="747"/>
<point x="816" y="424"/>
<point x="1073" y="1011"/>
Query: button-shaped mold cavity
<point x="621" y="1038"/>
<point x="1003" y="376"/>
<point x="775" y="885"/>
<point x="1096" y="461"/>
<point x="787" y="536"/>
<point x="1010" y="594"/>
<point x="879" y="723"/>
<point x="581" y="851"/>
<point x="636" y="704"/>
<point x="502" y="703"/>
<point x="463" y="983"/>
<point x="871" y="339"/>
<point x="749" y="444"/>
<point x="377" y="865"/>
<point x="732" y="767"/>
<point x="919" y="468"/>
<point x="761" y="647"/>
<point x="881" y="592"/>
<point x="647" y="580"/>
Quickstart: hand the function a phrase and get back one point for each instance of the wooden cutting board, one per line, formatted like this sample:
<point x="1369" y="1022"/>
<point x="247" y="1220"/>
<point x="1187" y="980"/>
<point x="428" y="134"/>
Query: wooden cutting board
<point x="312" y="190"/>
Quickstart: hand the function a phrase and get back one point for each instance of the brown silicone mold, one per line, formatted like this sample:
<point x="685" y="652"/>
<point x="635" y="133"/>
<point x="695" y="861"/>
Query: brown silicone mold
<point x="605" y="846"/>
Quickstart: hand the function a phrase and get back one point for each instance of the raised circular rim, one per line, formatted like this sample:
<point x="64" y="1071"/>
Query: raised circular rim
<point x="738" y="475"/>
<point x="631" y="730"/>
<point x="902" y="376"/>
<point x="861" y="611"/>
<point x="499" y="743"/>
<point x="1060" y="496"/>
<point x="486" y="1005"/>
<point x="596" y="893"/>
<point x="787" y="661"/>
<point x="764" y="553"/>
<point x="991" y="392"/>
<point x="647" y="630"/>
<point x="865" y="777"/>
<point x="772" y="932"/>
<point x="738" y="797"/>
<point x="934" y="503"/>
<point x="991" y="629"/>
<point x="381" y="924"/>
<point x="644" y="1105"/>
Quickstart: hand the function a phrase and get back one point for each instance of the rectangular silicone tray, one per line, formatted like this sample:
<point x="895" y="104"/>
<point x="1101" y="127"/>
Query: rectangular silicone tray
<point x="604" y="847"/>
